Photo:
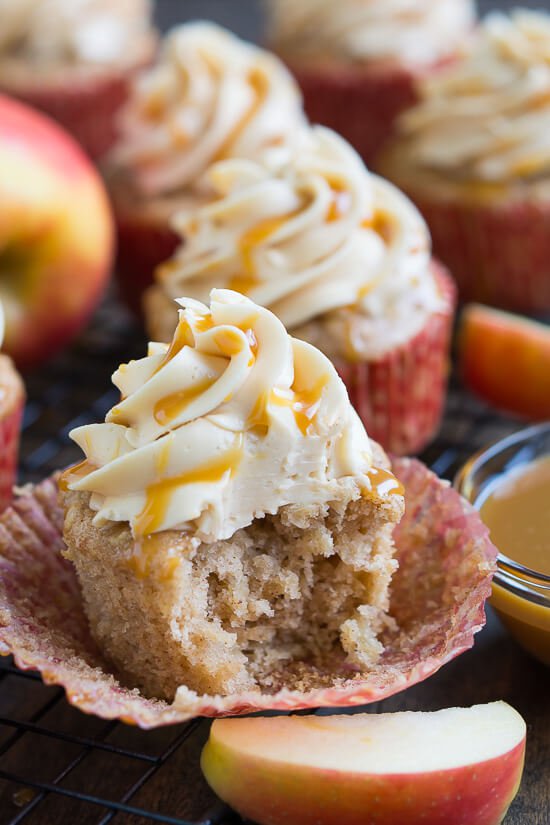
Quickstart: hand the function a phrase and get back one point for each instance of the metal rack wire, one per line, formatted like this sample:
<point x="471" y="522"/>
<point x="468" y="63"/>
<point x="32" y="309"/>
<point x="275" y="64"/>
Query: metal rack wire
<point x="59" y="766"/>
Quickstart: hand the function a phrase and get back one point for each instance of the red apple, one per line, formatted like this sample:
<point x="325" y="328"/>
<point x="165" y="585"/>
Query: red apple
<point x="505" y="359"/>
<point x="460" y="766"/>
<point x="56" y="234"/>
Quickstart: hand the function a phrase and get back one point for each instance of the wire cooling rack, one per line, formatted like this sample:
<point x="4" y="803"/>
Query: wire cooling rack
<point x="58" y="765"/>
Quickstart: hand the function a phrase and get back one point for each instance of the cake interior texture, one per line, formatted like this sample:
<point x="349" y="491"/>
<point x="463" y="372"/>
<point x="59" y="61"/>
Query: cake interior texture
<point x="273" y="606"/>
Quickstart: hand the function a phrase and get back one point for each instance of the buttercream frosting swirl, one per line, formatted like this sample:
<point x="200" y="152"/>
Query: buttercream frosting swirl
<point x="310" y="236"/>
<point x="95" y="32"/>
<point x="232" y="421"/>
<point x="409" y="31"/>
<point x="487" y="117"/>
<point x="210" y="96"/>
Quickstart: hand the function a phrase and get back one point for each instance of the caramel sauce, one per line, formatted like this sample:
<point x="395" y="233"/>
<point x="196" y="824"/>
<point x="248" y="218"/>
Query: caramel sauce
<point x="159" y="495"/>
<point x="259" y="84"/>
<point x="338" y="204"/>
<point x="382" y="223"/>
<point x="229" y="341"/>
<point x="183" y="337"/>
<point x="172" y="406"/>
<point x="146" y="551"/>
<point x="384" y="482"/>
<point x="74" y="473"/>
<point x="517" y="514"/>
<point x="303" y="404"/>
<point x="204" y="323"/>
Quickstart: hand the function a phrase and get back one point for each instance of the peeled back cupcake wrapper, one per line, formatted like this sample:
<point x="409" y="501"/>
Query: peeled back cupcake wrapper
<point x="400" y="397"/>
<point x="446" y="563"/>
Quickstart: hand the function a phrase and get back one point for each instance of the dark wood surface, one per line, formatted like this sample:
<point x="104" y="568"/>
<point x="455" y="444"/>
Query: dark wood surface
<point x="159" y="771"/>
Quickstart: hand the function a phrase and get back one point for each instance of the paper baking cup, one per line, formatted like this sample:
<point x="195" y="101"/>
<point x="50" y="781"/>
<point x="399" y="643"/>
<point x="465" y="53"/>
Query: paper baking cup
<point x="498" y="253"/>
<point x="12" y="402"/>
<point x="401" y="396"/>
<point x="85" y="106"/>
<point x="142" y="246"/>
<point x="446" y="563"/>
<point x="360" y="104"/>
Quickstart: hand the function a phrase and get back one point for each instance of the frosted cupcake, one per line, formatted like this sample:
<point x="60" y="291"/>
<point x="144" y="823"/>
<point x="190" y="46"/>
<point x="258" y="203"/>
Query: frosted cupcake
<point x="74" y="60"/>
<point x="12" y="401"/>
<point x="343" y="259"/>
<point x="358" y="61"/>
<point x="209" y="97"/>
<point x="475" y="157"/>
<point x="232" y="515"/>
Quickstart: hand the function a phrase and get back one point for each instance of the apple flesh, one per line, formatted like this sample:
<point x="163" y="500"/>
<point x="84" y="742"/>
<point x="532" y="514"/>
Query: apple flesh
<point x="56" y="234"/>
<point x="505" y="359"/>
<point x="460" y="766"/>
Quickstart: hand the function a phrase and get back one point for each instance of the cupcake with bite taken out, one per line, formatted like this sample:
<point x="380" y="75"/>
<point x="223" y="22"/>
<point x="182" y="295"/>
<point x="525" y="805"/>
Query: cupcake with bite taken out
<point x="12" y="401"/>
<point x="358" y="61"/>
<point x="343" y="259"/>
<point x="210" y="96"/>
<point x="75" y="59"/>
<point x="231" y="513"/>
<point x="474" y="155"/>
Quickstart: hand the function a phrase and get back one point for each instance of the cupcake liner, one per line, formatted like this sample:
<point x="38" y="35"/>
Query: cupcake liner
<point x="142" y="246"/>
<point x="446" y="563"/>
<point x="400" y="397"/>
<point x="498" y="252"/>
<point x="12" y="402"/>
<point x="85" y="107"/>
<point x="361" y="104"/>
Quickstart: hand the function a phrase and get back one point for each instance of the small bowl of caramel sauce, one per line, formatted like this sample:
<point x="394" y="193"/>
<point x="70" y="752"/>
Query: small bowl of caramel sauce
<point x="509" y="483"/>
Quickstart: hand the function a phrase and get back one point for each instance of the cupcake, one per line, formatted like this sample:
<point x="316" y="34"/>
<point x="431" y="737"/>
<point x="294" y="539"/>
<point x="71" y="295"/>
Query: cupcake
<point x="74" y="60"/>
<point x="358" y="61"/>
<point x="343" y="259"/>
<point x="210" y="96"/>
<point x="474" y="156"/>
<point x="231" y="513"/>
<point x="12" y="401"/>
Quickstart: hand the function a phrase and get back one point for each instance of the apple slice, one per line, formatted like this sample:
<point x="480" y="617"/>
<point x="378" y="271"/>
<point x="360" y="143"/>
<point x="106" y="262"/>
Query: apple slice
<point x="505" y="359"/>
<point x="460" y="766"/>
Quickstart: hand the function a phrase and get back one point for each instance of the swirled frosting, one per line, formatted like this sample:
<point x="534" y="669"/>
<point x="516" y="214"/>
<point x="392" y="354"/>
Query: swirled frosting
<point x="314" y="235"/>
<point x="210" y="96"/>
<point x="487" y="117"/>
<point x="232" y="421"/>
<point x="410" y="31"/>
<point x="95" y="32"/>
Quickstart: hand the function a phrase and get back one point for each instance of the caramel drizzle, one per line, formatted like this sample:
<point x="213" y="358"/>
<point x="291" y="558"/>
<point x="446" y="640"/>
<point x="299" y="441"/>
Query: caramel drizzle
<point x="170" y="407"/>
<point x="259" y="84"/>
<point x="74" y="473"/>
<point x="303" y="403"/>
<point x="384" y="482"/>
<point x="159" y="495"/>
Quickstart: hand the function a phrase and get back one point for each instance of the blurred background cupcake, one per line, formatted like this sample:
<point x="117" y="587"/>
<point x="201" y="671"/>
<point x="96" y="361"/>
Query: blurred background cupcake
<point x="343" y="259"/>
<point x="357" y="61"/>
<point x="210" y="96"/>
<point x="474" y="155"/>
<point x="73" y="59"/>
<point x="12" y="401"/>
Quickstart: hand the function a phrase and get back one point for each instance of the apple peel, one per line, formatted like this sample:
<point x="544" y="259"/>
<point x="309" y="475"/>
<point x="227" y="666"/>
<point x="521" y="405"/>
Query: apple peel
<point x="437" y="599"/>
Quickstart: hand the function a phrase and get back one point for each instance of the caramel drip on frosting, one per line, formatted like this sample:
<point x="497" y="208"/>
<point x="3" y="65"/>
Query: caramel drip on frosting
<point x="259" y="84"/>
<point x="384" y="482"/>
<point x="170" y="407"/>
<point x="159" y="495"/>
<point x="303" y="404"/>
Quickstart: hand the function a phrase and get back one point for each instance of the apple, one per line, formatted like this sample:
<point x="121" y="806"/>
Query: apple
<point x="505" y="359"/>
<point x="56" y="234"/>
<point x="460" y="766"/>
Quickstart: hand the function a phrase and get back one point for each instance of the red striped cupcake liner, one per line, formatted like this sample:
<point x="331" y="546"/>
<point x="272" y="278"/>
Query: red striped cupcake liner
<point x="498" y="253"/>
<point x="12" y="401"/>
<point x="360" y="104"/>
<point x="437" y="597"/>
<point x="401" y="396"/>
<point x="86" y="107"/>
<point x="142" y="245"/>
